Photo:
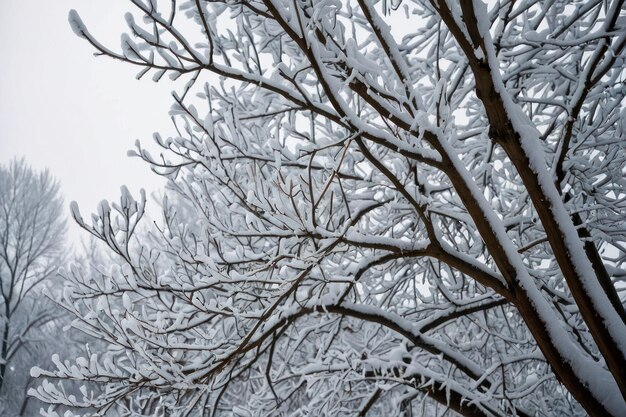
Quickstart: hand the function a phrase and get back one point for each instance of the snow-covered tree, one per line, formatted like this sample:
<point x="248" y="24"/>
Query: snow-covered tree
<point x="385" y="208"/>
<point x="32" y="235"/>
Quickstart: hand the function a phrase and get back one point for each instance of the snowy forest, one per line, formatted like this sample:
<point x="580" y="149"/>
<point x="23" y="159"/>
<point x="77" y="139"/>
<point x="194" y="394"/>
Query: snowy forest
<point x="370" y="208"/>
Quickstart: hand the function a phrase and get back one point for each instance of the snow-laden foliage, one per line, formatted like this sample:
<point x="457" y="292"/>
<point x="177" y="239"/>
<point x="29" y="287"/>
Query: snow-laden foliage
<point x="393" y="208"/>
<point x="32" y="233"/>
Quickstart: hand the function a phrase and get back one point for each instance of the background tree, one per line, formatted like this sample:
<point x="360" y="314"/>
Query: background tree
<point x="32" y="233"/>
<point x="368" y="219"/>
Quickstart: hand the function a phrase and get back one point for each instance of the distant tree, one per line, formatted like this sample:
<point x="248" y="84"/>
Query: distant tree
<point x="385" y="208"/>
<point x="32" y="236"/>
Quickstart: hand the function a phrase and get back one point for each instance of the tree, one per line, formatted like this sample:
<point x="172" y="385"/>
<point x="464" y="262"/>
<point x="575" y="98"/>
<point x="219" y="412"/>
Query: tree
<point x="385" y="208"/>
<point x="32" y="233"/>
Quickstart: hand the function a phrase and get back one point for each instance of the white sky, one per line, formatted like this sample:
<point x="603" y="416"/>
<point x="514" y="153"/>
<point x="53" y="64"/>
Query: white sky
<point x="64" y="109"/>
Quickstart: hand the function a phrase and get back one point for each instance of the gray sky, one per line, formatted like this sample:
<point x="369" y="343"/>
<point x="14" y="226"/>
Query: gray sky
<point x="64" y="109"/>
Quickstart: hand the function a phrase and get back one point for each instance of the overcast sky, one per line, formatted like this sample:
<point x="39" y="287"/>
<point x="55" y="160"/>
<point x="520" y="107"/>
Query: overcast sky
<point x="64" y="109"/>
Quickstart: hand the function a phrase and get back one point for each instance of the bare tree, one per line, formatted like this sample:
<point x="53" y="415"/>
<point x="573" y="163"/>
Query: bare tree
<point x="32" y="232"/>
<point x="383" y="208"/>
